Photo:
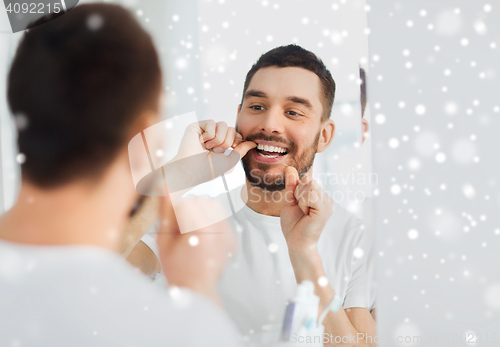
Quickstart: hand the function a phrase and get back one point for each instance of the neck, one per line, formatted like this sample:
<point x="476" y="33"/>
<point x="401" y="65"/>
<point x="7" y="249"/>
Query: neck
<point x="263" y="201"/>
<point x="266" y="202"/>
<point x="72" y="214"/>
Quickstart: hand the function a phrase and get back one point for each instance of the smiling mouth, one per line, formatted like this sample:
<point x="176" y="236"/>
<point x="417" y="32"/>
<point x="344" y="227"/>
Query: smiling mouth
<point x="271" y="151"/>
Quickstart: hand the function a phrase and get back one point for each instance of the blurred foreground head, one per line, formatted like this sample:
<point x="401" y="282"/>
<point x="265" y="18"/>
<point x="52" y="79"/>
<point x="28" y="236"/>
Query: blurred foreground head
<point x="79" y="86"/>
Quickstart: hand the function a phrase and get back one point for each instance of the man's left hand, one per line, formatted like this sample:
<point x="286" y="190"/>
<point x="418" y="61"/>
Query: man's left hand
<point x="308" y="208"/>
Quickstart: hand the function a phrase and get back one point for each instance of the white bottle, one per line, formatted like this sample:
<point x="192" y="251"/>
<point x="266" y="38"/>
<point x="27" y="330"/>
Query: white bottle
<point x="300" y="323"/>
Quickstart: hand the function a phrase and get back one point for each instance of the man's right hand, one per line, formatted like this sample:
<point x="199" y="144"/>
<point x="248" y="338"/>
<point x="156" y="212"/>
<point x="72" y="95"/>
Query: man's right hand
<point x="199" y="159"/>
<point x="207" y="135"/>
<point x="197" y="259"/>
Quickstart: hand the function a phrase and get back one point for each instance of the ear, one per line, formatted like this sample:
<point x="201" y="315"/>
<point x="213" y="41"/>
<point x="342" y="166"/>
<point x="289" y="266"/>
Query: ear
<point x="327" y="133"/>
<point x="237" y="116"/>
<point x="145" y="120"/>
<point x="149" y="117"/>
<point x="365" y="128"/>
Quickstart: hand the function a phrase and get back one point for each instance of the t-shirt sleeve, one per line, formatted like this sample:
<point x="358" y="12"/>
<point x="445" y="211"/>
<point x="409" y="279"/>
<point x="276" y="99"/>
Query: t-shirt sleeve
<point x="360" y="291"/>
<point x="149" y="240"/>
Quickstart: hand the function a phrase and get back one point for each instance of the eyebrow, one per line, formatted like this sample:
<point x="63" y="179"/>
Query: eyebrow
<point x="299" y="100"/>
<point x="255" y="93"/>
<point x="295" y="99"/>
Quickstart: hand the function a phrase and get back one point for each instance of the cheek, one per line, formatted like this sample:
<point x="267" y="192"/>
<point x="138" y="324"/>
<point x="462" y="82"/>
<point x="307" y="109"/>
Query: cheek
<point x="245" y="125"/>
<point x="301" y="135"/>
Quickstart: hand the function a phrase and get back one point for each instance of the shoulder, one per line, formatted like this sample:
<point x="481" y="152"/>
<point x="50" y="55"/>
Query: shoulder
<point x="343" y="219"/>
<point x="343" y="228"/>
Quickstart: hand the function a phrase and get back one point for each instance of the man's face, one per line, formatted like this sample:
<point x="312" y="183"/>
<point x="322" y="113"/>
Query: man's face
<point x="281" y="112"/>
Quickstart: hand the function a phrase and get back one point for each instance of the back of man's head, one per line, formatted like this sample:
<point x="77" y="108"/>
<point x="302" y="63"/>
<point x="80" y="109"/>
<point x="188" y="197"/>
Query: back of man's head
<point x="77" y="85"/>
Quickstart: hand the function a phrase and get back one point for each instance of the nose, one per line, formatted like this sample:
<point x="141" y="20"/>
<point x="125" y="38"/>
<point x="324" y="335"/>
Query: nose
<point x="272" y="122"/>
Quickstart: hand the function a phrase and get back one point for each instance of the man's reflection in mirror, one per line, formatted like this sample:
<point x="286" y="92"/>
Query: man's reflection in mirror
<point x="288" y="227"/>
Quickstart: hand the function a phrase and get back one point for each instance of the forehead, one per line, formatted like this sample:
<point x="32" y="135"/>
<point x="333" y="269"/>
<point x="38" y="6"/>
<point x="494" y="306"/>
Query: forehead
<point x="283" y="82"/>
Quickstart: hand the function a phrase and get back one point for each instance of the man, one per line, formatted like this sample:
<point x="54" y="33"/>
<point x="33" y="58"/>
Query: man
<point x="289" y="230"/>
<point x="86" y="82"/>
<point x="287" y="101"/>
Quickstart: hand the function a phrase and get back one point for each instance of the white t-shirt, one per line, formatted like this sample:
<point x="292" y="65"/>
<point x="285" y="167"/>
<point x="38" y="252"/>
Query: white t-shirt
<point x="149" y="240"/>
<point x="259" y="280"/>
<point x="87" y="296"/>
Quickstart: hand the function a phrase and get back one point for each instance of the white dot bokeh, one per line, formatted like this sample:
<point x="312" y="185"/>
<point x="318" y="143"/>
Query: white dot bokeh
<point x="440" y="157"/>
<point x="95" y="22"/>
<point x="380" y="118"/>
<point x="396" y="189"/>
<point x="420" y="109"/>
<point x="193" y="240"/>
<point x="451" y="108"/>
<point x="469" y="191"/>
<point x="358" y="252"/>
<point x="414" y="164"/>
<point x="394" y="143"/>
<point x="272" y="247"/>
<point x="480" y="27"/>
<point x="413" y="234"/>
<point x="323" y="281"/>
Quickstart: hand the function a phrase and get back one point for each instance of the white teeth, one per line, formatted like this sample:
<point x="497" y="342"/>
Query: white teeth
<point x="267" y="156"/>
<point x="271" y="148"/>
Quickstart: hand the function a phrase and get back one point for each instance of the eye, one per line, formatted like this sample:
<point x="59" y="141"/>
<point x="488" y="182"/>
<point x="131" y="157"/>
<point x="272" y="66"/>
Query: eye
<point x="257" y="107"/>
<point x="293" y="113"/>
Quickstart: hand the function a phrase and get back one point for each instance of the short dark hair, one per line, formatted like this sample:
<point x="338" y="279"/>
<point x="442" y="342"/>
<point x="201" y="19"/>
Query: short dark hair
<point x="296" y="56"/>
<point x="362" y="92"/>
<point x="80" y="80"/>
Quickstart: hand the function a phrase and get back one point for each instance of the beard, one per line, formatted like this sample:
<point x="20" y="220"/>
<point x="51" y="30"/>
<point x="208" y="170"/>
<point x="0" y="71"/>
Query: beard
<point x="257" y="173"/>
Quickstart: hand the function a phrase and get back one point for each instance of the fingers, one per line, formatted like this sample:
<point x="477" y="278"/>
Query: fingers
<point x="291" y="182"/>
<point x="222" y="164"/>
<point x="208" y="128"/>
<point x="221" y="130"/>
<point x="310" y="195"/>
<point x="238" y="139"/>
<point x="314" y="200"/>
<point x="218" y="136"/>
<point x="228" y="163"/>
<point x="243" y="147"/>
<point x="228" y="141"/>
<point x="303" y="204"/>
<point x="234" y="139"/>
<point x="291" y="178"/>
<point x="301" y="194"/>
<point x="306" y="185"/>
